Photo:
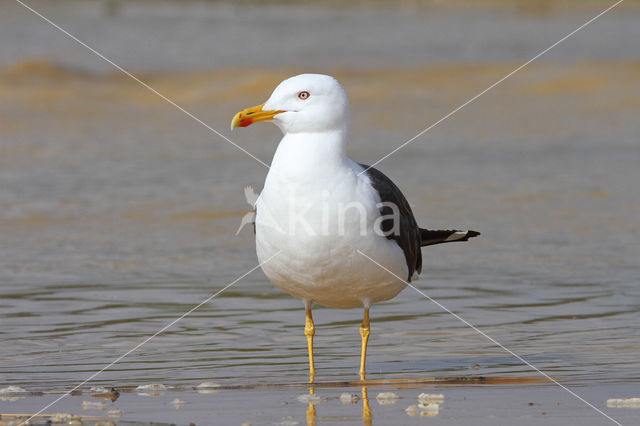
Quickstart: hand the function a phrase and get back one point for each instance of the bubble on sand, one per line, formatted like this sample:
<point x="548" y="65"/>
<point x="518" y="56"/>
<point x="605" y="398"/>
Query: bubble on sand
<point x="12" y="393"/>
<point x="12" y="389"/>
<point x="311" y="399"/>
<point x="412" y="410"/>
<point x="114" y="413"/>
<point x="104" y="393"/>
<point x="153" y="389"/>
<point x="623" y="403"/>
<point x="349" y="398"/>
<point x="385" y="398"/>
<point x="427" y="398"/>
<point x="94" y="405"/>
<point x="424" y="410"/>
<point x="208" y="387"/>
<point x="63" y="418"/>
<point x="429" y="410"/>
<point x="12" y="398"/>
<point x="287" y="423"/>
<point x="177" y="403"/>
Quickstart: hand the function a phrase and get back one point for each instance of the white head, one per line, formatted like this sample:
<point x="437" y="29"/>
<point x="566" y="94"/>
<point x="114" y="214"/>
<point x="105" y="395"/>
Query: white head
<point x="304" y="103"/>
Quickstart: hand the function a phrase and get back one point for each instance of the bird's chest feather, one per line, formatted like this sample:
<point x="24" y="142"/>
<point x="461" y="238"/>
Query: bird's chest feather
<point x="312" y="218"/>
<point x="312" y="211"/>
<point x="316" y="221"/>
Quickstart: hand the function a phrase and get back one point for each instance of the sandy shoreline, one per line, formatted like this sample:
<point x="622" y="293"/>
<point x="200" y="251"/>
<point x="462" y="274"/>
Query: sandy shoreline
<point x="456" y="405"/>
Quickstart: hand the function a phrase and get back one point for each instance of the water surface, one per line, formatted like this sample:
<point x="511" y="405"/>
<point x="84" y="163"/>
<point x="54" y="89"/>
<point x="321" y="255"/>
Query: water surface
<point x="118" y="214"/>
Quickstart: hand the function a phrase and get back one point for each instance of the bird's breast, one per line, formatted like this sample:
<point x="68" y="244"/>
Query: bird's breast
<point x="315" y="227"/>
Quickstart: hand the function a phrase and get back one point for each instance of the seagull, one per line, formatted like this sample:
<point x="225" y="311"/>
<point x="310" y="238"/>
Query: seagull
<point x="321" y="217"/>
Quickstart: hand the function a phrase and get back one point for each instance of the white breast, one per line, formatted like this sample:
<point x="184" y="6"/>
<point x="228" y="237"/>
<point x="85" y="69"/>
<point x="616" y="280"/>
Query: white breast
<point x="316" y="212"/>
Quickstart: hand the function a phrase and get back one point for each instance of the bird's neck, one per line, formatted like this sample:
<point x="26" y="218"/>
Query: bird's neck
<point x="302" y="155"/>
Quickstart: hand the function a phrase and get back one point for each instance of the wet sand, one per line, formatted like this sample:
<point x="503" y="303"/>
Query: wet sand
<point x="461" y="405"/>
<point x="118" y="214"/>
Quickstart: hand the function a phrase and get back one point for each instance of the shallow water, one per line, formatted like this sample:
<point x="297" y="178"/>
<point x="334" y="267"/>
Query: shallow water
<point x="118" y="214"/>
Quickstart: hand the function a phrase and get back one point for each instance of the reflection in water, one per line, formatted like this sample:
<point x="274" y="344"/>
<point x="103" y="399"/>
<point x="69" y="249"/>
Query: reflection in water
<point x="311" y="410"/>
<point x="429" y="404"/>
<point x="366" y="409"/>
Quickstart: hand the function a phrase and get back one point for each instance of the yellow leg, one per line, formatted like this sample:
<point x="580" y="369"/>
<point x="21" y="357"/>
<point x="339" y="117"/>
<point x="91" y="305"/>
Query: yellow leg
<point x="366" y="410"/>
<point x="364" y="332"/>
<point x="311" y="411"/>
<point x="310" y="331"/>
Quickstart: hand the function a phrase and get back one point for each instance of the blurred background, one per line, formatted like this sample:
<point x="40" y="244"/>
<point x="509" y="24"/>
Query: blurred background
<point x="118" y="212"/>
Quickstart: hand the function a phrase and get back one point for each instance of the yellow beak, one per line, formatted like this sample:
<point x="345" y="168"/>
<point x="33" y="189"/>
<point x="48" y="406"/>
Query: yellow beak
<point x="248" y="116"/>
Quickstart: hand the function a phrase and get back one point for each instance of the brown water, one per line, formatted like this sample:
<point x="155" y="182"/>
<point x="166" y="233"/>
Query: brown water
<point x="118" y="213"/>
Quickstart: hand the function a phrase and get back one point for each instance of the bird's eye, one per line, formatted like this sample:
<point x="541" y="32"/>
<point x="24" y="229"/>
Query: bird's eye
<point x="303" y="95"/>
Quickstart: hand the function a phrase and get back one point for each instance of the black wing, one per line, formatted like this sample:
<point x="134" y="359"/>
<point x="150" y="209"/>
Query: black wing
<point x="407" y="234"/>
<point x="429" y="238"/>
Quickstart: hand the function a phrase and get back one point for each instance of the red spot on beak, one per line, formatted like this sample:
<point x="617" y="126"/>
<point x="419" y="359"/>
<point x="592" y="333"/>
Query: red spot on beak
<point x="245" y="122"/>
